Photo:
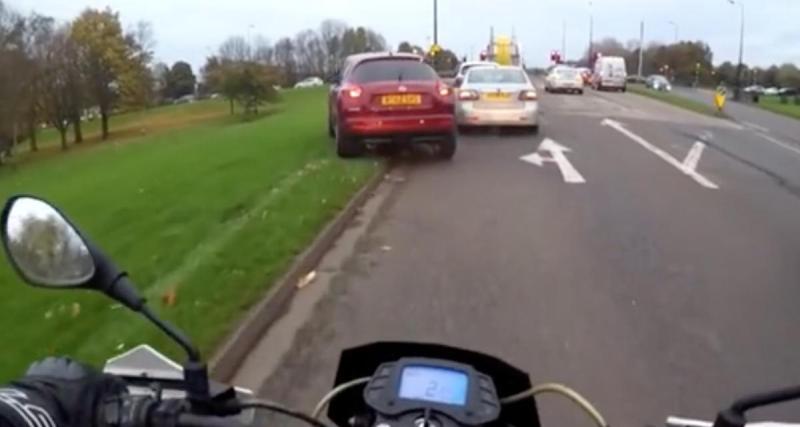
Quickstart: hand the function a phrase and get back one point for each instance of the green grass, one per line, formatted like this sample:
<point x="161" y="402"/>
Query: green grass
<point x="676" y="100"/>
<point x="136" y="123"/>
<point x="773" y="103"/>
<point x="216" y="211"/>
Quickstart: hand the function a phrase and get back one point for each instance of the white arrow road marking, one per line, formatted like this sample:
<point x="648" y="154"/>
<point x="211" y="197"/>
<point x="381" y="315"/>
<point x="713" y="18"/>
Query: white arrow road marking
<point x="556" y="150"/>
<point x="705" y="182"/>
<point x="690" y="162"/>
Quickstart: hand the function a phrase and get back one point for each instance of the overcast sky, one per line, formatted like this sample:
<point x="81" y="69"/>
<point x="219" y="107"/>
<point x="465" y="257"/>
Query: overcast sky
<point x="190" y="29"/>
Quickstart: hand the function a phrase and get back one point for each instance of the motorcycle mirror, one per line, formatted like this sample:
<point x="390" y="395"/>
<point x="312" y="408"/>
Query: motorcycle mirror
<point x="43" y="246"/>
<point x="48" y="250"/>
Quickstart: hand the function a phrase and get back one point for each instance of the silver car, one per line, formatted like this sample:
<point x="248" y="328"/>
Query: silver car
<point x="501" y="96"/>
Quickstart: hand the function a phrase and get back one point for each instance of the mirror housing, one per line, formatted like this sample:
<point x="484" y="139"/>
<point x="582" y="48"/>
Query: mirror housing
<point x="458" y="81"/>
<point x="47" y="250"/>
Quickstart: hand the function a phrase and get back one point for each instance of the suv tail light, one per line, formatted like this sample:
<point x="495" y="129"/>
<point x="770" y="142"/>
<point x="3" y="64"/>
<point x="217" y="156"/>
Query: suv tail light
<point x="443" y="90"/>
<point x="528" y="95"/>
<point x="468" y="95"/>
<point x="352" y="91"/>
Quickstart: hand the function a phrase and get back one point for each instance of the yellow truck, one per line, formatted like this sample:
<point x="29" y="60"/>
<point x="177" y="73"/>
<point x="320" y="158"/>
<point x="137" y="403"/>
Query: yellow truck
<point x="502" y="50"/>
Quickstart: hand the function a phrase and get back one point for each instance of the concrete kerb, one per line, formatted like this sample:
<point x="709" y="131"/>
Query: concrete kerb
<point x="230" y="355"/>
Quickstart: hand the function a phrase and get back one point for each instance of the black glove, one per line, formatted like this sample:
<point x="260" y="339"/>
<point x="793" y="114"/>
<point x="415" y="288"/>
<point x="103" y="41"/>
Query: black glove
<point x="76" y="391"/>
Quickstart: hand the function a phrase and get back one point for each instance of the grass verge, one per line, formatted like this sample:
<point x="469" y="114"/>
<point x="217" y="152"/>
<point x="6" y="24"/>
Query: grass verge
<point x="773" y="103"/>
<point x="214" y="212"/>
<point x="676" y="100"/>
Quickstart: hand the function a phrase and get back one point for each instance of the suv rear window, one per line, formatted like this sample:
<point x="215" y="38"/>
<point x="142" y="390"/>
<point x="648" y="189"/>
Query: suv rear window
<point x="392" y="70"/>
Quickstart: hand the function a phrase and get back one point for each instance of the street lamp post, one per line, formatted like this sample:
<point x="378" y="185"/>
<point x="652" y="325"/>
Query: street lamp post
<point x="435" y="22"/>
<point x="740" y="67"/>
<point x="591" y="35"/>
<point x="675" y="26"/>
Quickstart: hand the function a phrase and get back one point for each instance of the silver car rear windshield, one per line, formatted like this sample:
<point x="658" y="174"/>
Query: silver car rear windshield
<point x="492" y="75"/>
<point x="568" y="73"/>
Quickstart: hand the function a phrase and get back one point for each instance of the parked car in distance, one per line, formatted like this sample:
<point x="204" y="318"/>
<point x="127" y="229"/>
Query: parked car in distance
<point x="391" y="98"/>
<point x="609" y="73"/>
<point x="771" y="91"/>
<point x="754" y="89"/>
<point x="466" y="66"/>
<point x="186" y="99"/>
<point x="788" y="91"/>
<point x="564" y="79"/>
<point x="309" y="82"/>
<point x="500" y="96"/>
<point x="658" y="82"/>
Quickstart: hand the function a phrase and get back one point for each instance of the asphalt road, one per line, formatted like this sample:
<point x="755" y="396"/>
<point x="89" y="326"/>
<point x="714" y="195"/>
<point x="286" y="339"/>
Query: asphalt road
<point x="644" y="287"/>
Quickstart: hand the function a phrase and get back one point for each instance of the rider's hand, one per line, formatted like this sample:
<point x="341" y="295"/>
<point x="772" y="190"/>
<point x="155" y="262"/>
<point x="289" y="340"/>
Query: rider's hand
<point x="76" y="390"/>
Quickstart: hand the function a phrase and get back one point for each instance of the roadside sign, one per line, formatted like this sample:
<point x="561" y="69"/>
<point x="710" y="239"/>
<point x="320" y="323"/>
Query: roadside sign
<point x="719" y="97"/>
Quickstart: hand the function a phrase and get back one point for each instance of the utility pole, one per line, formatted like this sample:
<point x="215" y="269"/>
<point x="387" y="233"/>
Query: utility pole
<point x="740" y="67"/>
<point x="641" y="48"/>
<point x="591" y="35"/>
<point x="564" y="40"/>
<point x="436" y="22"/>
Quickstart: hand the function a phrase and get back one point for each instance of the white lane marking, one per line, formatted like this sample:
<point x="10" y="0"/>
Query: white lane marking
<point x="556" y="150"/>
<point x="690" y="162"/>
<point x="700" y="179"/>
<point x="756" y="127"/>
<point x="779" y="143"/>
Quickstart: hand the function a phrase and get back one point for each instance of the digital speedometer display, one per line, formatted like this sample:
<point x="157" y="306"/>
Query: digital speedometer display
<point x="440" y="385"/>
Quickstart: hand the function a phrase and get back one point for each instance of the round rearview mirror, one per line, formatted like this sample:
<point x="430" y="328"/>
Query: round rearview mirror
<point x="43" y="246"/>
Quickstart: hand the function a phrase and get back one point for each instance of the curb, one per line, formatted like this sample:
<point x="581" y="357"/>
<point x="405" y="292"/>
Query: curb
<point x="230" y="355"/>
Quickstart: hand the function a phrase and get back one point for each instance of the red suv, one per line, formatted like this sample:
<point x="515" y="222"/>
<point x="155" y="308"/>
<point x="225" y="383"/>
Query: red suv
<point x="386" y="98"/>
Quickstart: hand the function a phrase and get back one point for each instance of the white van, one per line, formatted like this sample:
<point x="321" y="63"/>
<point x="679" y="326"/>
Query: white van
<point x="609" y="73"/>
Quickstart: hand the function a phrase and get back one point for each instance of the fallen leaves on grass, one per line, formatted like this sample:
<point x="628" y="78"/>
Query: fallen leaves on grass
<point x="170" y="297"/>
<point x="76" y="310"/>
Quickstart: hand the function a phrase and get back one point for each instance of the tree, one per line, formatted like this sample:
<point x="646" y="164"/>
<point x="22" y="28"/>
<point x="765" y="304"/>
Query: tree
<point x="331" y="33"/>
<point x="235" y="49"/>
<point x="14" y="73"/>
<point x="253" y="85"/>
<point x="769" y="77"/>
<point x="159" y="73"/>
<point x="263" y="51"/>
<point x="285" y="60"/>
<point x="443" y="61"/>
<point x="136" y="81"/>
<point x="38" y="32"/>
<point x="105" y="57"/>
<point x="405" y="47"/>
<point x="788" y="76"/>
<point x="60" y="91"/>
<point x="309" y="53"/>
<point x="180" y="80"/>
<point x="726" y="72"/>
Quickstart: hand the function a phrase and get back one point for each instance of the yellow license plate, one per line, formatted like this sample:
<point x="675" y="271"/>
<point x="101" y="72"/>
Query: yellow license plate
<point x="405" y="99"/>
<point x="497" y="96"/>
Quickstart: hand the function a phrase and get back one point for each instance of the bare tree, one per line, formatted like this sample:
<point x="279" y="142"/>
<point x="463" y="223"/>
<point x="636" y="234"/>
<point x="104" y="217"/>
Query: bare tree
<point x="285" y="60"/>
<point x="235" y="49"/>
<point x="59" y="67"/>
<point x="331" y="33"/>
<point x="310" y="53"/>
<point x="263" y="51"/>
